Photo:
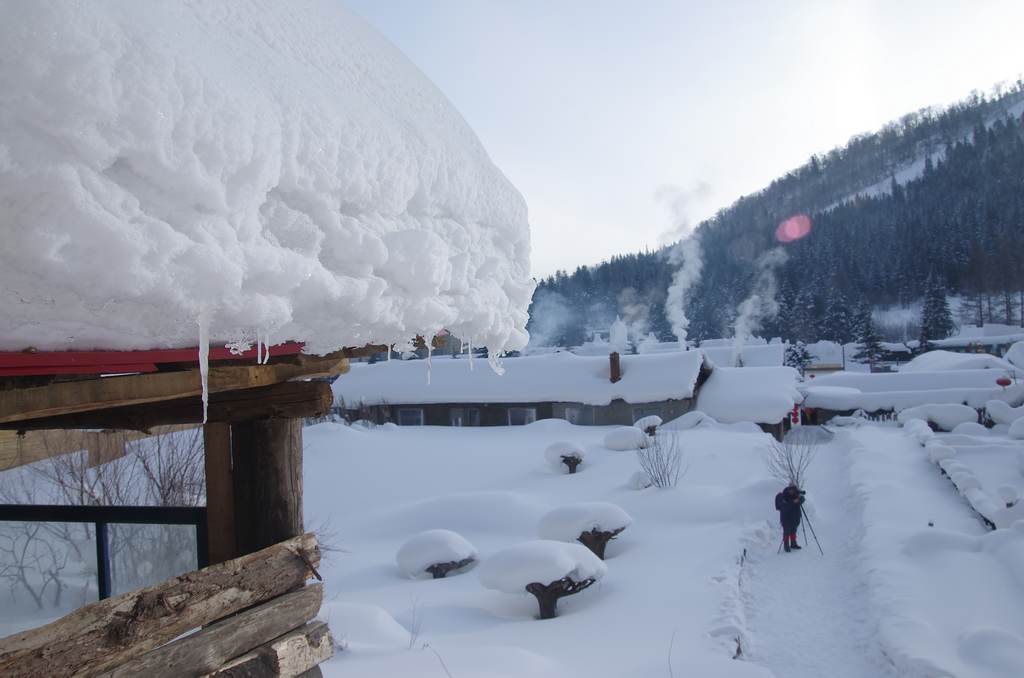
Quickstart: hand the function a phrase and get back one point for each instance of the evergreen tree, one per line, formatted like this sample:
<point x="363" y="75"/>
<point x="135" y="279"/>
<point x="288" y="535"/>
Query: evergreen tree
<point x="936" y="319"/>
<point x="798" y="356"/>
<point x="870" y="350"/>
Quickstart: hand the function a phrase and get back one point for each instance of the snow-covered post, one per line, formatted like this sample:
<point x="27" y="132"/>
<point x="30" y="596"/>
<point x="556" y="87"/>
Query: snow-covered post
<point x="649" y="424"/>
<point x="564" y="453"/>
<point x="592" y="524"/>
<point x="435" y="552"/>
<point x="548" y="570"/>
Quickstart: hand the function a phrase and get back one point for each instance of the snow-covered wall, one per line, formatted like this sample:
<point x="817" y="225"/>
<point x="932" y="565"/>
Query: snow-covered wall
<point x="250" y="164"/>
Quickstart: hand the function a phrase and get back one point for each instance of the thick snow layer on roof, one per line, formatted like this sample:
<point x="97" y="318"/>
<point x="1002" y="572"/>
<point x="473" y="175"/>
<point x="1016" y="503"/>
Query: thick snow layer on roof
<point x="763" y="395"/>
<point x="1015" y="354"/>
<point x="567" y="523"/>
<point x="873" y="392"/>
<point x="247" y="164"/>
<point x="933" y="361"/>
<point x="558" y="377"/>
<point x="433" y="547"/>
<point x="540" y="561"/>
<point x="754" y="355"/>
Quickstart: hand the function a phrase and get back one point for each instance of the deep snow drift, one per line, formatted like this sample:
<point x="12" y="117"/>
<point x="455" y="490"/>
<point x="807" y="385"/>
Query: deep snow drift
<point x="245" y="164"/>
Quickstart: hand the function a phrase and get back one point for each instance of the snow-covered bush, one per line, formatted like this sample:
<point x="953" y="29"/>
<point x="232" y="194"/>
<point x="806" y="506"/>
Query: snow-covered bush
<point x="569" y="455"/>
<point x="662" y="460"/>
<point x="648" y="424"/>
<point x="1017" y="430"/>
<point x="1002" y="413"/>
<point x="592" y="524"/>
<point x="1009" y="495"/>
<point x="944" y="416"/>
<point x="689" y="420"/>
<point x="789" y="460"/>
<point x="639" y="481"/>
<point x="970" y="428"/>
<point x="548" y="570"/>
<point x="626" y="438"/>
<point x="435" y="552"/>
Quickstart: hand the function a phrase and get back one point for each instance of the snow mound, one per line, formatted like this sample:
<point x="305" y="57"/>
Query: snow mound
<point x="541" y="561"/>
<point x="970" y="428"/>
<point x="433" y="547"/>
<point x="945" y="416"/>
<point x="367" y="626"/>
<point x="933" y="361"/>
<point x="555" y="452"/>
<point x="689" y="420"/>
<point x="626" y="438"/>
<point x="1017" y="430"/>
<point x="1015" y="355"/>
<point x="644" y="423"/>
<point x="472" y="513"/>
<point x="639" y="481"/>
<point x="1002" y="413"/>
<point x="567" y="523"/>
<point x="936" y="453"/>
<point x="248" y="167"/>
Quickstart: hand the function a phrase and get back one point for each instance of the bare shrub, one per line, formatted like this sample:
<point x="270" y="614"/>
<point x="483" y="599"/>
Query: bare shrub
<point x="662" y="460"/>
<point x="789" y="460"/>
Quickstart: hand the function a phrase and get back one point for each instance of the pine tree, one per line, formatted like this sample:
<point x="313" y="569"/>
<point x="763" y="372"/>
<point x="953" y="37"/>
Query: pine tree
<point x="870" y="350"/>
<point x="936" y="319"/>
<point x="798" y="356"/>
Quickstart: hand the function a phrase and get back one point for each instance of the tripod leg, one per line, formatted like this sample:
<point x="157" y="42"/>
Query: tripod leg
<point x="812" y="530"/>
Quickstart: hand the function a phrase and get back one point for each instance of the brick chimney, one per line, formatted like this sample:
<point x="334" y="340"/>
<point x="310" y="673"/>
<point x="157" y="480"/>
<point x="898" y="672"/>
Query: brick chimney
<point x="614" y="368"/>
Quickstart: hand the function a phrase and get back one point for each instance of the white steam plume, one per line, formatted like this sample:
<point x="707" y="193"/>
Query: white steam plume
<point x="635" y="312"/>
<point x="685" y="255"/>
<point x="761" y="305"/>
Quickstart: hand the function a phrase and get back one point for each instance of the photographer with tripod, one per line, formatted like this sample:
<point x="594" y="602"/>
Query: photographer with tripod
<point x="789" y="504"/>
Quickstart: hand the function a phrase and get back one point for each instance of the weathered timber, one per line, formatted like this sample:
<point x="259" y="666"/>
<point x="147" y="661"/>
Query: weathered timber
<point x="206" y="650"/>
<point x="32" y="446"/>
<point x="220" y="493"/>
<point x="294" y="399"/>
<point x="293" y="654"/>
<point x="101" y="635"/>
<point x="267" y="474"/>
<point x="441" y="570"/>
<point x="547" y="595"/>
<point x="61" y="398"/>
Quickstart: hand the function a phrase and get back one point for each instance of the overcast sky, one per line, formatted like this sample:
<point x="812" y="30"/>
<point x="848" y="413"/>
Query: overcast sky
<point x="591" y="107"/>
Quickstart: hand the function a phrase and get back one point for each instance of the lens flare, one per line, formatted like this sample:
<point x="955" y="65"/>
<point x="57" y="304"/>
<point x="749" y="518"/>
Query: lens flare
<point x="794" y="228"/>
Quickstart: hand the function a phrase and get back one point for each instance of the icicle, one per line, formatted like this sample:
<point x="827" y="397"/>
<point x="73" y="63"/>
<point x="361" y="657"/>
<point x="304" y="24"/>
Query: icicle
<point x="430" y="364"/>
<point x="204" y="359"/>
<point x="471" y="354"/>
<point x="266" y="348"/>
<point x="259" y="347"/>
<point x="391" y="349"/>
<point x="495" y="364"/>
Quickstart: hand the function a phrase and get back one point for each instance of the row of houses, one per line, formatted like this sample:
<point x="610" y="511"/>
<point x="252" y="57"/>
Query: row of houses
<point x="585" y="390"/>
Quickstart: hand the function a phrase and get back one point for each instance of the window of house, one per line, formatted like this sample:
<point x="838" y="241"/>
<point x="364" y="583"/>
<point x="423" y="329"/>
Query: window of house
<point x="464" y="416"/>
<point x="579" y="415"/>
<point x="646" y="411"/>
<point x="410" y="416"/>
<point x="520" y="416"/>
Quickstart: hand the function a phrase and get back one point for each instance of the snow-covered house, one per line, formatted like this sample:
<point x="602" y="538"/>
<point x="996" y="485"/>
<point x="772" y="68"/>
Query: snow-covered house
<point x="765" y="396"/>
<point x="588" y="390"/>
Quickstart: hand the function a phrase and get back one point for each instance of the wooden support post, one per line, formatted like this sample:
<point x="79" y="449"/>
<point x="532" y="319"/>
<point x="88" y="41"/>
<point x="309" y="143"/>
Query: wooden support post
<point x="267" y="475"/>
<point x="220" y="493"/>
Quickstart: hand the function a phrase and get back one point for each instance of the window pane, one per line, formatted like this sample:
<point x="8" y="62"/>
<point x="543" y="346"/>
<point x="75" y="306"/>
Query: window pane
<point x="520" y="416"/>
<point x="410" y="416"/>
<point x="141" y="555"/>
<point x="49" y="570"/>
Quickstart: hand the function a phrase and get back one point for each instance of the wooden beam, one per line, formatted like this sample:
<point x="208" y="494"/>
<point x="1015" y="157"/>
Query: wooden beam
<point x="102" y="446"/>
<point x="220" y="495"/>
<point x="102" y="635"/>
<point x="290" y="399"/>
<point x="72" y="397"/>
<point x="293" y="654"/>
<point x="266" y="457"/>
<point x="209" y="649"/>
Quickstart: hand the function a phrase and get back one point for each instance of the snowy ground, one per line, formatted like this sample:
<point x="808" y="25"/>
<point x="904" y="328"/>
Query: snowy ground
<point x="892" y="596"/>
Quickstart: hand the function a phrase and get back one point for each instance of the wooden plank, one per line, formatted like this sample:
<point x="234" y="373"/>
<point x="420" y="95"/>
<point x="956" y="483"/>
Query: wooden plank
<point x="220" y="495"/>
<point x="206" y="650"/>
<point x="32" y="446"/>
<point x="102" y="635"/>
<point x="294" y="654"/>
<point x="72" y="397"/>
<point x="267" y="472"/>
<point x="290" y="399"/>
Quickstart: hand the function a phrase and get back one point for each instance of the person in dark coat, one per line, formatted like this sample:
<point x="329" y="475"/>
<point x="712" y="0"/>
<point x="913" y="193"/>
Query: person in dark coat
<point x="788" y="503"/>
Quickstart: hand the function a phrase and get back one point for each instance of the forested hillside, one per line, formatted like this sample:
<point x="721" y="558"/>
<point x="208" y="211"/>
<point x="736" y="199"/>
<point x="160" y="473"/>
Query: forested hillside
<point x="937" y="193"/>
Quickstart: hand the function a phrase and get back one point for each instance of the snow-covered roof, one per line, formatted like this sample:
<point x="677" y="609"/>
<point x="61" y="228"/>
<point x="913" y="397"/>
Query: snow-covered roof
<point x="754" y="355"/>
<point x="948" y="360"/>
<point x="872" y="392"/>
<point x="246" y="165"/>
<point x="1015" y="355"/>
<point x="558" y="377"/>
<point x="763" y="395"/>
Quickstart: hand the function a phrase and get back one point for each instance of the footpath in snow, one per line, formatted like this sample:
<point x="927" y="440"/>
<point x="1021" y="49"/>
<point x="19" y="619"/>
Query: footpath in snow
<point x="808" y="614"/>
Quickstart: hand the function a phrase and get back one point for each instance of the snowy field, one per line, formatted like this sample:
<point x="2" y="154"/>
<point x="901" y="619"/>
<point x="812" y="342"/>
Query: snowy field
<point x="912" y="583"/>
